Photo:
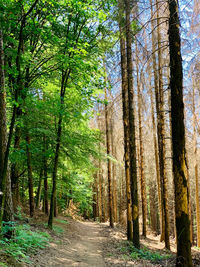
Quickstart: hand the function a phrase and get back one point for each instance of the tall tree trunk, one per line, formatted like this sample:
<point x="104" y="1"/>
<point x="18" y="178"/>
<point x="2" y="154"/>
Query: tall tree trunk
<point x="95" y="200"/>
<point x="8" y="215"/>
<point x="141" y="154"/>
<point x="161" y="134"/>
<point x="65" y="77"/>
<point x="30" y="176"/>
<point x="15" y="168"/>
<point x="46" y="202"/>
<point x="154" y="126"/>
<point x="113" y="171"/>
<point x="196" y="168"/>
<point x="6" y="205"/>
<point x="39" y="190"/>
<point x="3" y="127"/>
<point x="125" y="120"/>
<point x="132" y="141"/>
<point x="100" y="188"/>
<point x="108" y="147"/>
<point x="178" y="140"/>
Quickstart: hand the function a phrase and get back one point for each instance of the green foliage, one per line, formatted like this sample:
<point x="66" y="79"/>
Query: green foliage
<point x="58" y="230"/>
<point x="61" y="221"/>
<point x="143" y="253"/>
<point x="24" y="243"/>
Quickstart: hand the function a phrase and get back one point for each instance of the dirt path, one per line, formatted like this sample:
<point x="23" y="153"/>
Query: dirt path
<point x="89" y="244"/>
<point x="80" y="245"/>
<point x="84" y="249"/>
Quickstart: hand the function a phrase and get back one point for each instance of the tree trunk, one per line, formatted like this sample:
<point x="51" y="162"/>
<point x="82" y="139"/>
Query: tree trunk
<point x="196" y="168"/>
<point x="178" y="140"/>
<point x="3" y="127"/>
<point x="141" y="154"/>
<point x="30" y="176"/>
<point x="161" y="135"/>
<point x="108" y="147"/>
<point x="154" y="126"/>
<point x="132" y="141"/>
<point x="95" y="200"/>
<point x="46" y="202"/>
<point x="39" y="190"/>
<point x="113" y="171"/>
<point x="100" y="189"/>
<point x="65" y="77"/>
<point x="125" y="120"/>
<point x="15" y="168"/>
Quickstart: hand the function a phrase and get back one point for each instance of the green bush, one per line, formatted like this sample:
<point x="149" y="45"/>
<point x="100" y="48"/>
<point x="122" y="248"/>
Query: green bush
<point x="143" y="253"/>
<point x="24" y="243"/>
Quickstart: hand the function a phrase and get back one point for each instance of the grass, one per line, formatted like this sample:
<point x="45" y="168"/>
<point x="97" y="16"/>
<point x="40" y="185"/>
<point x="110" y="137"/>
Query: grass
<point x="24" y="243"/>
<point x="129" y="251"/>
<point x="61" y="221"/>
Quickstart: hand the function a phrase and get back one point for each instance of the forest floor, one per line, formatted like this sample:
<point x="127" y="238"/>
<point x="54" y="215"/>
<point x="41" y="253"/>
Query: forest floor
<point x="91" y="244"/>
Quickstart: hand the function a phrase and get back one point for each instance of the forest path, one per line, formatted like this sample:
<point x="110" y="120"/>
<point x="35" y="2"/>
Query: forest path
<point x="79" y="245"/>
<point x="90" y="244"/>
<point x="82" y="249"/>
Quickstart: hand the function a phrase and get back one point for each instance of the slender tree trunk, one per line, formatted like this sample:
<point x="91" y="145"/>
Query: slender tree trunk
<point x="154" y="127"/>
<point x="113" y="172"/>
<point x="30" y="176"/>
<point x="15" y="168"/>
<point x="52" y="213"/>
<point x="55" y="207"/>
<point x="132" y="141"/>
<point x="46" y="202"/>
<point x="125" y="120"/>
<point x="95" y="200"/>
<point x="108" y="146"/>
<point x="3" y="126"/>
<point x="178" y="140"/>
<point x="39" y="190"/>
<point x="103" y="198"/>
<point x="100" y="189"/>
<point x="196" y="168"/>
<point x="141" y="154"/>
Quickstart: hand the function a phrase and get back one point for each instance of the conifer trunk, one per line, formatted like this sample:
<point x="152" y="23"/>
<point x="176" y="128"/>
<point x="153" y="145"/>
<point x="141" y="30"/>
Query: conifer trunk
<point x="125" y="120"/>
<point x="196" y="168"/>
<point x="178" y="140"/>
<point x="132" y="141"/>
<point x="141" y="154"/>
<point x="108" y="147"/>
<point x="156" y="140"/>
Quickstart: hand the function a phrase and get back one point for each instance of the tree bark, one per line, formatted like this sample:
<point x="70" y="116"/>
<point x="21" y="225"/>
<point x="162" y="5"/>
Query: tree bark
<point x="196" y="168"/>
<point x="141" y="153"/>
<point x="125" y="121"/>
<point x="46" y="202"/>
<point x="156" y="141"/>
<point x="161" y="135"/>
<point x="178" y="140"/>
<point x="30" y="176"/>
<point x="3" y="126"/>
<point x="132" y="141"/>
<point x="65" y="77"/>
<point x="108" y="147"/>
<point x="39" y="190"/>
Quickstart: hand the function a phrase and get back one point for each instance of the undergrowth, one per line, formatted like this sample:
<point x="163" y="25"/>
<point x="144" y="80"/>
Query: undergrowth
<point x="143" y="253"/>
<point x="24" y="242"/>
